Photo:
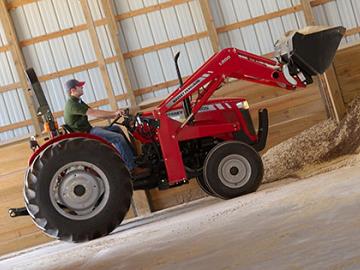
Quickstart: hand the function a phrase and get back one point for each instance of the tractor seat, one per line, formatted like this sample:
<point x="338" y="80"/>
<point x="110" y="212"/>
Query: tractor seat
<point x="67" y="128"/>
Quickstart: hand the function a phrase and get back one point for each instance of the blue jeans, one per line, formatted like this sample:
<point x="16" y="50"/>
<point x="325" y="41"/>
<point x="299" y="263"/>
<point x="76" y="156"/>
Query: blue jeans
<point x="111" y="135"/>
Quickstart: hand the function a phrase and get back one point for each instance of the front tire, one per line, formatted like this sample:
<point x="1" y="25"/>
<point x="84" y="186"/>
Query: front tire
<point x="203" y="186"/>
<point x="77" y="190"/>
<point x="232" y="169"/>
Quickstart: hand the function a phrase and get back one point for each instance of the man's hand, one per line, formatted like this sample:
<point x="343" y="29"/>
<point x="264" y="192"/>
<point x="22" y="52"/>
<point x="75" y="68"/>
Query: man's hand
<point x="119" y="113"/>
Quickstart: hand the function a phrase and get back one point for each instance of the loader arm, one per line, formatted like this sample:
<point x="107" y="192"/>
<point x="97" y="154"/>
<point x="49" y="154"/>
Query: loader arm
<point x="231" y="63"/>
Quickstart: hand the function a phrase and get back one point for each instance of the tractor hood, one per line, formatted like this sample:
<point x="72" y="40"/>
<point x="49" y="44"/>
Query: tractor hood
<point x="311" y="49"/>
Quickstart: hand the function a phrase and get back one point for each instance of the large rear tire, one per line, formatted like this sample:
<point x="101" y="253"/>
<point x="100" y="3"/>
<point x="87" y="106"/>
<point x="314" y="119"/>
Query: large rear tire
<point x="232" y="169"/>
<point x="77" y="189"/>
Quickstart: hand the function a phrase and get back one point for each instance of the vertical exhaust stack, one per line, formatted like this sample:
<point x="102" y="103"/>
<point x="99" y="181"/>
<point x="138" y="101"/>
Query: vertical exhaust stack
<point x="310" y="50"/>
<point x="43" y="111"/>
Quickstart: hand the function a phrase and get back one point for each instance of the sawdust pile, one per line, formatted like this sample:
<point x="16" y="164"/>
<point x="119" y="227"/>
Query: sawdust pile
<point x="317" y="149"/>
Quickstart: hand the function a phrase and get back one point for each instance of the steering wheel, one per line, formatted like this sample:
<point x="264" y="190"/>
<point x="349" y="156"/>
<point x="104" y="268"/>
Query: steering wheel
<point x="128" y="122"/>
<point x="115" y="121"/>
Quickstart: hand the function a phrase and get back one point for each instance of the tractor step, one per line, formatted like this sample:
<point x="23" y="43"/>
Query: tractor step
<point x="145" y="183"/>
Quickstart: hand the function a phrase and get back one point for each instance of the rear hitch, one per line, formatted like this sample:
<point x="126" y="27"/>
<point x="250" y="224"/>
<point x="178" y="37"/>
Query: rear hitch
<point x="17" y="212"/>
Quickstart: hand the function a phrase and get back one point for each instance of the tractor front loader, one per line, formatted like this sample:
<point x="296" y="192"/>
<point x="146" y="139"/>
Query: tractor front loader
<point x="77" y="187"/>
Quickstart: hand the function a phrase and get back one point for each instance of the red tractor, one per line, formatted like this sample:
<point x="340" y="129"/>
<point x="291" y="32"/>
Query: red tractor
<point x="76" y="186"/>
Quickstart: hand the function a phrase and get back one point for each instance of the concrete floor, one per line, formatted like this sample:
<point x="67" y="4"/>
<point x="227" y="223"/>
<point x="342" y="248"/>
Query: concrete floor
<point x="308" y="224"/>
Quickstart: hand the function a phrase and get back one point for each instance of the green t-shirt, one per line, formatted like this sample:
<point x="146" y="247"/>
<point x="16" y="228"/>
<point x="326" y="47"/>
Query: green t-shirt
<point x="75" y="115"/>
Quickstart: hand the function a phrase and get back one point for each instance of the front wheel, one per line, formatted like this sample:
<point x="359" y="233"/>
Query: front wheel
<point x="77" y="189"/>
<point x="232" y="169"/>
<point x="203" y="185"/>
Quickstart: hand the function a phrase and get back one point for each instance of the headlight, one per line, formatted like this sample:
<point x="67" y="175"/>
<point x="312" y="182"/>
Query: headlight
<point x="243" y="105"/>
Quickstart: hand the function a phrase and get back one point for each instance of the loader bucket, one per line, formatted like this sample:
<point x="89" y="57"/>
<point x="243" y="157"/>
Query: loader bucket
<point x="313" y="48"/>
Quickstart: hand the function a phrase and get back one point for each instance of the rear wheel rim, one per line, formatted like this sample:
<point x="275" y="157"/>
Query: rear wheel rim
<point x="79" y="190"/>
<point x="234" y="171"/>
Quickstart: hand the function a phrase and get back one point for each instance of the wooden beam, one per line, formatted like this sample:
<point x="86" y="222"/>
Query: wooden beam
<point x="328" y="83"/>
<point x="352" y="31"/>
<point x="60" y="33"/>
<point x="153" y="8"/>
<point x="210" y="25"/>
<point x="121" y="97"/>
<point x="98" y="53"/>
<point x="315" y="3"/>
<point x="19" y="62"/>
<point x="308" y="12"/>
<point x="115" y="36"/>
<point x="335" y="93"/>
<point x="9" y="87"/>
<point x="19" y="3"/>
<point x="4" y="48"/>
<point x="166" y="44"/>
<point x="68" y="71"/>
<point x="258" y="19"/>
<point x="20" y="124"/>
<point x="159" y="86"/>
<point x="53" y="35"/>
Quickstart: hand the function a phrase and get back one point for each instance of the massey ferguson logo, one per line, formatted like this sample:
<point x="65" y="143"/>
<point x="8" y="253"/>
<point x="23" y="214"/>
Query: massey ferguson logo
<point x="187" y="90"/>
<point x="222" y="62"/>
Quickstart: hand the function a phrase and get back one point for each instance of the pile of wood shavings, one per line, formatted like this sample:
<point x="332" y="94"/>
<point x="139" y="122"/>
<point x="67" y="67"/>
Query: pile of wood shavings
<point x="322" y="143"/>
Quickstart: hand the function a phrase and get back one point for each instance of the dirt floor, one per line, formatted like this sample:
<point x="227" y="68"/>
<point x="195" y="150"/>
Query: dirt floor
<point x="309" y="224"/>
<point x="323" y="147"/>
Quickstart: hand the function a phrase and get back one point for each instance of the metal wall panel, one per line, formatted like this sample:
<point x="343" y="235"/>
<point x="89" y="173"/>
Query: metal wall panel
<point x="71" y="13"/>
<point x="155" y="28"/>
<point x="260" y="37"/>
<point x="347" y="16"/>
<point x="45" y="17"/>
<point x="72" y="50"/>
<point x="340" y="12"/>
<point x="13" y="108"/>
<point x="3" y="40"/>
<point x="96" y="9"/>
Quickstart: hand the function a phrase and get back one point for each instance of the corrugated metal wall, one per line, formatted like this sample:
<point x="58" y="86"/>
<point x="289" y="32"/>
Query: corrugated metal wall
<point x="155" y="28"/>
<point x="340" y="12"/>
<point x="260" y="37"/>
<point x="146" y="30"/>
<point x="47" y="57"/>
<point x="13" y="108"/>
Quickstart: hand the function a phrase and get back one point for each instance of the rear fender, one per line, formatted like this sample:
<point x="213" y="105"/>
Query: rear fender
<point x="64" y="137"/>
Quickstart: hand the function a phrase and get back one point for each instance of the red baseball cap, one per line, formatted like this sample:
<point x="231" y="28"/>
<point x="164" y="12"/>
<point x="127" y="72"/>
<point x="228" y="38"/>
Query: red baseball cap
<point x="73" y="83"/>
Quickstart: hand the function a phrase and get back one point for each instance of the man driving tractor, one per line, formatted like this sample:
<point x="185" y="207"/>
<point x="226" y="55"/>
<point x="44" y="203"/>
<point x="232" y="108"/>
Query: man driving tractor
<point x="76" y="115"/>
